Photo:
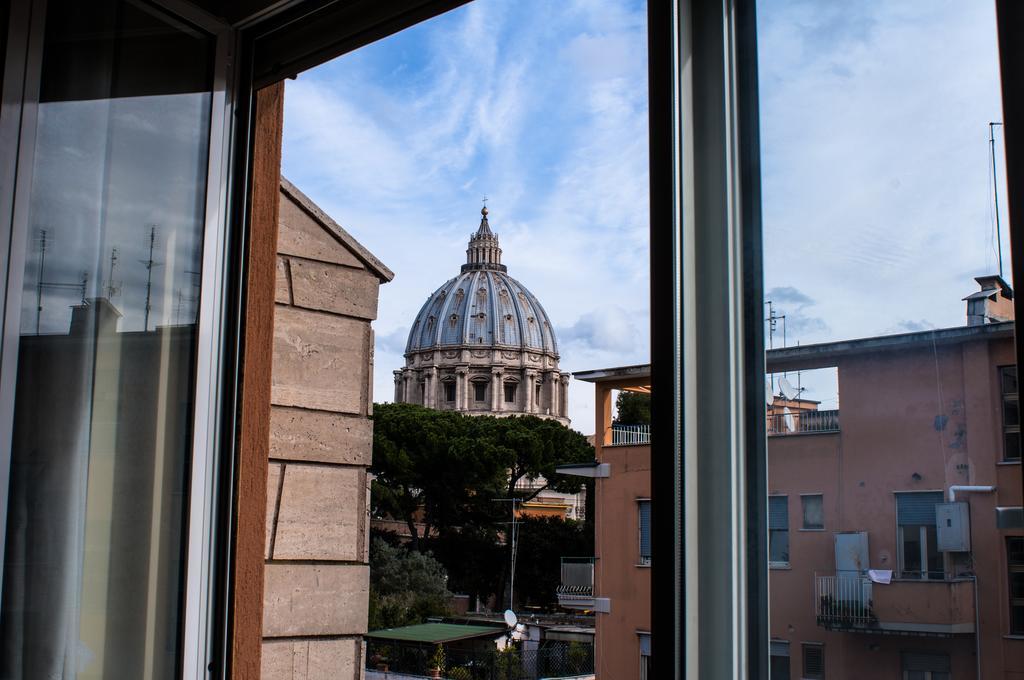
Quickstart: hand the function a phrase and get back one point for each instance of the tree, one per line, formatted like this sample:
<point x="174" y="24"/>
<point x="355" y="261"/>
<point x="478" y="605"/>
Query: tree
<point x="441" y="470"/>
<point x="406" y="586"/>
<point x="543" y="542"/>
<point x="634" y="408"/>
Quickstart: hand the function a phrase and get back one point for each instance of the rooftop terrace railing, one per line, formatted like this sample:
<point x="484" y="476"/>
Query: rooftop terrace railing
<point x="631" y="435"/>
<point x="803" y="422"/>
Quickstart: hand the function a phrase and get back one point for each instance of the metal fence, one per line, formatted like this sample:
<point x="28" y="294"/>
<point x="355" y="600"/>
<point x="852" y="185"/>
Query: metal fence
<point x="803" y="422"/>
<point x="844" y="601"/>
<point x="556" y="659"/>
<point x="631" y="435"/>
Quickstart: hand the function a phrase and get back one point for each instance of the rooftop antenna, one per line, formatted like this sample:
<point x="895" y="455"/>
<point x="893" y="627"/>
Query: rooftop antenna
<point x="513" y="537"/>
<point x="113" y="288"/>
<point x="39" y="285"/>
<point x="773" y="323"/>
<point x="788" y="391"/>
<point x="995" y="192"/>
<point x="149" y="275"/>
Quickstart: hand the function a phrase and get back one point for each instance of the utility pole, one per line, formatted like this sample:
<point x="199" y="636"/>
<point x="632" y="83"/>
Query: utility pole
<point x="513" y="537"/>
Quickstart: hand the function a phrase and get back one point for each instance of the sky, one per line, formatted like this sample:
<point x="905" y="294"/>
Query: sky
<point x="876" y="183"/>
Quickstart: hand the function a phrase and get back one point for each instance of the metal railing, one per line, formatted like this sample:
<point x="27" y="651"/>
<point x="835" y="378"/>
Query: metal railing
<point x="631" y="435"/>
<point x="803" y="422"/>
<point x="577" y="586"/>
<point x="844" y="601"/>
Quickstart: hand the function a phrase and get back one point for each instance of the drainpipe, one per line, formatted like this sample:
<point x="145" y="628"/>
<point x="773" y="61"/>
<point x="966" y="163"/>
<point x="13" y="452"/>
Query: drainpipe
<point x="968" y="489"/>
<point x="977" y="628"/>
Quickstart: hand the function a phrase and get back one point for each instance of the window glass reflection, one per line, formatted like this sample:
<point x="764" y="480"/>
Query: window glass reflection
<point x="95" y="543"/>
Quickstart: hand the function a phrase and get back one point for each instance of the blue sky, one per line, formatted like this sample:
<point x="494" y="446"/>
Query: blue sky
<point x="876" y="190"/>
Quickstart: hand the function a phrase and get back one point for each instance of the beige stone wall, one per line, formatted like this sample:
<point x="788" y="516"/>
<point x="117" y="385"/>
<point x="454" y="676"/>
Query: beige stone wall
<point x="317" y="575"/>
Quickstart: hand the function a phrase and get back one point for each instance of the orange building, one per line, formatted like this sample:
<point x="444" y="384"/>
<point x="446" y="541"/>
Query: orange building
<point x="890" y="550"/>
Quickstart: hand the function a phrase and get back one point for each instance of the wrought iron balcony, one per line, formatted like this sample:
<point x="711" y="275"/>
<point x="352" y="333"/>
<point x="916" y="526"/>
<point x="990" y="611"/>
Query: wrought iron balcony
<point x="577" y="588"/>
<point x="803" y="422"/>
<point x="631" y="435"/>
<point x="936" y="608"/>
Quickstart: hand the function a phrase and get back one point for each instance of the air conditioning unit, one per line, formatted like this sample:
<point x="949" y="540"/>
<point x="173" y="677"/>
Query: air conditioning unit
<point x="953" y="527"/>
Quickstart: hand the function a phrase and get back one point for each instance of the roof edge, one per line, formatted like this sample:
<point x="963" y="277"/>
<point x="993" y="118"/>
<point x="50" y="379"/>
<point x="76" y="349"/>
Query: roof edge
<point x="358" y="249"/>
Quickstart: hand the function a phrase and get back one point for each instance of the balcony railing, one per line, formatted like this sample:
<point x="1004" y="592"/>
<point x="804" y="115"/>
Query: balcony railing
<point x="843" y="602"/>
<point x="631" y="435"/>
<point x="577" y="588"/>
<point x="904" y="607"/>
<point x="803" y="422"/>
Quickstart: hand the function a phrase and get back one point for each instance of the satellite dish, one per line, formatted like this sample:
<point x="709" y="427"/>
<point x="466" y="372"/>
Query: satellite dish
<point x="510" y="618"/>
<point x="768" y="396"/>
<point x="787" y="415"/>
<point x="787" y="389"/>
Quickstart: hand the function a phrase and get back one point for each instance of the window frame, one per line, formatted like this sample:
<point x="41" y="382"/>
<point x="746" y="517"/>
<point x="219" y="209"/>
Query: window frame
<point x="642" y="559"/>
<point x="1005" y="398"/>
<point x="803" y="512"/>
<point x="1011" y="569"/>
<point x="779" y="564"/>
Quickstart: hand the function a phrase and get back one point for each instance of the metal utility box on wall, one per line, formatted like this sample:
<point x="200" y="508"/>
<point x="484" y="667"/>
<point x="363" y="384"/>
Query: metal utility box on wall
<point x="953" y="527"/>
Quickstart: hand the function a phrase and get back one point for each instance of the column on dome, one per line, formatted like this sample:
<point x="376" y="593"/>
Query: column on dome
<point x="553" y="376"/>
<point x="497" y="390"/>
<point x="530" y="406"/>
<point x="462" y="397"/>
<point x="431" y="379"/>
<point x="563" y="401"/>
<point x="399" y="395"/>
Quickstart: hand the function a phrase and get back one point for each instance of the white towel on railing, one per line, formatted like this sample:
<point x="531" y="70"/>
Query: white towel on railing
<point x="880" y="575"/>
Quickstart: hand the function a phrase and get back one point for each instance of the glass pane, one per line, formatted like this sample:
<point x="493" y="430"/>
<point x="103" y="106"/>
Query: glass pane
<point x="778" y="546"/>
<point x="886" y="263"/>
<point x="95" y="546"/>
<point x="1015" y="550"/>
<point x="1017" y="584"/>
<point x="779" y="668"/>
<point x="1017" y="620"/>
<point x="814" y="513"/>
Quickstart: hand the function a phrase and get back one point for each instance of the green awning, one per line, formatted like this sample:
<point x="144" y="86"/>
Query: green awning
<point x="434" y="633"/>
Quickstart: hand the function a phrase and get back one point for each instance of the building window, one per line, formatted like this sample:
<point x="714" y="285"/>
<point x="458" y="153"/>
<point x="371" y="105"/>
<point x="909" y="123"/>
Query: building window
<point x="449" y="391"/>
<point x="645" y="531"/>
<point x="510" y="393"/>
<point x="814" y="660"/>
<point x="479" y="391"/>
<point x="924" y="666"/>
<point x="919" y="556"/>
<point x="1015" y="564"/>
<point x="813" y="511"/>
<point x="1011" y="412"/>
<point x="646" y="668"/>
<point x="537" y="397"/>
<point x="779" y="660"/>
<point x="778" y="531"/>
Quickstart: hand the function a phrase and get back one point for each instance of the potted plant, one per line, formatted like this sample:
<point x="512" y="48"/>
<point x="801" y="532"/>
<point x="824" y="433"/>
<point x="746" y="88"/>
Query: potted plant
<point x="436" y="663"/>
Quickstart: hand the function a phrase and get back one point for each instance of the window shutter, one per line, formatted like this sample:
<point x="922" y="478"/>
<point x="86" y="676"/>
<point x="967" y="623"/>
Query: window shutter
<point x="814" y="661"/>
<point x="645" y="644"/>
<point x="921" y="662"/>
<point x="645" y="530"/>
<point x="917" y="508"/>
<point x="778" y="648"/>
<point x="778" y="512"/>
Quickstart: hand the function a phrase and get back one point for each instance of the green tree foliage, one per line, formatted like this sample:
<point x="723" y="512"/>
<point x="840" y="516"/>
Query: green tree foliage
<point x="441" y="470"/>
<point x="406" y="586"/>
<point x="633" y="408"/>
<point x="543" y="542"/>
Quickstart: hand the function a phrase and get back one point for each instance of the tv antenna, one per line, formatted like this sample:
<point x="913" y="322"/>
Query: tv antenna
<point x="995" y="192"/>
<point x="149" y="275"/>
<point x="113" y="288"/>
<point x="513" y="540"/>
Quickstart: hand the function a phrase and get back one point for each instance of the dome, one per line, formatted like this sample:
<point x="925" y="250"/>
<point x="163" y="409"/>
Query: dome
<point x="482" y="344"/>
<point x="483" y="306"/>
<point x="486" y="308"/>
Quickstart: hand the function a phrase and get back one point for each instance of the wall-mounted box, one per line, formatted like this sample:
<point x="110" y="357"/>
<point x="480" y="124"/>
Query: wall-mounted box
<point x="953" y="527"/>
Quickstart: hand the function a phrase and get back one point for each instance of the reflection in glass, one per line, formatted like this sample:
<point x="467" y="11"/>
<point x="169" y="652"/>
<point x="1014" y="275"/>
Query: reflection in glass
<point x="95" y="548"/>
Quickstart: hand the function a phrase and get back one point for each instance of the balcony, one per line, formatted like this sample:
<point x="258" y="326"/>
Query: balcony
<point x="803" y="422"/>
<point x="631" y="435"/>
<point x="577" y="588"/>
<point x="905" y="607"/>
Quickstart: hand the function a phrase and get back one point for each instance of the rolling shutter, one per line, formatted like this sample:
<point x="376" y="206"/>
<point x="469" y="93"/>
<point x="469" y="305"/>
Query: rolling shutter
<point x="778" y="512"/>
<point x="917" y="508"/>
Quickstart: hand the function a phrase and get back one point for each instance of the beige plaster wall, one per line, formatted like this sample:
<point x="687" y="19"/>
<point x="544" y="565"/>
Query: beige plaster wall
<point x="317" y="574"/>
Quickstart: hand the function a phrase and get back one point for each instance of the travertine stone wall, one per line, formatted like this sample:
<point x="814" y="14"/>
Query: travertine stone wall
<point x="317" y="577"/>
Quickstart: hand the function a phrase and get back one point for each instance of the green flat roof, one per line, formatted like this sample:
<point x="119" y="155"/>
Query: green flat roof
<point x="434" y="633"/>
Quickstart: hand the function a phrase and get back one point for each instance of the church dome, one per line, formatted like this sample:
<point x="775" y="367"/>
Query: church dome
<point x="483" y="307"/>
<point x="482" y="344"/>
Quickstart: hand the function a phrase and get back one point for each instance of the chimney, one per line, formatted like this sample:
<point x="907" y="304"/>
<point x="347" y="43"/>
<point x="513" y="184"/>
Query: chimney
<point x="94" y="317"/>
<point x="992" y="304"/>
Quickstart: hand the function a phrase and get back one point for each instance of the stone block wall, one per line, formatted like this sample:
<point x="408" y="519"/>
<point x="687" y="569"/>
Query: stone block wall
<point x="316" y="584"/>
